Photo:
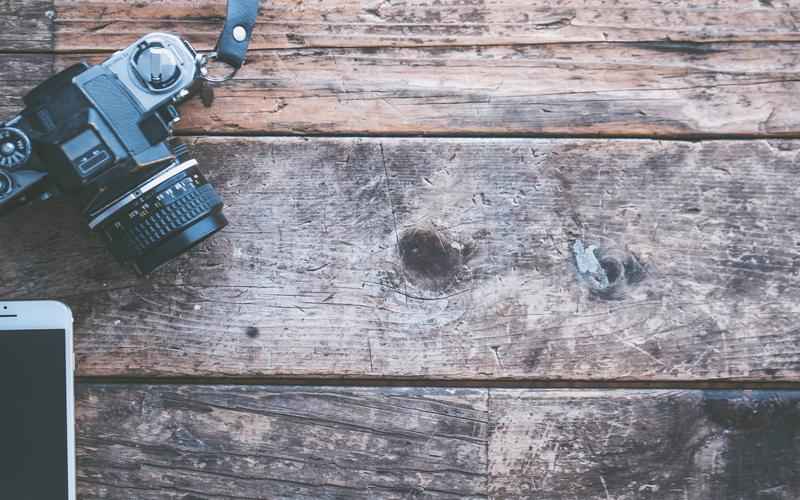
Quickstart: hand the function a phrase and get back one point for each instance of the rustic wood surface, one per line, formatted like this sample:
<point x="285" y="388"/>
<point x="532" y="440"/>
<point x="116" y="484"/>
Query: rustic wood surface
<point x="554" y="76"/>
<point x="502" y="67"/>
<point x="89" y="24"/>
<point x="637" y="445"/>
<point x="25" y="26"/>
<point x="323" y="443"/>
<point x="450" y="258"/>
<point x="19" y="74"/>
<point x="213" y="442"/>
<point x="641" y="89"/>
<point x="463" y="260"/>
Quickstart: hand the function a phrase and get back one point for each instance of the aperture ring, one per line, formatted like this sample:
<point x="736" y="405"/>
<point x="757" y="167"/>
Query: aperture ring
<point x="120" y="204"/>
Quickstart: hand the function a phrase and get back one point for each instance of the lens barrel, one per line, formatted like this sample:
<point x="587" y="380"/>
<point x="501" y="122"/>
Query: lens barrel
<point x="164" y="217"/>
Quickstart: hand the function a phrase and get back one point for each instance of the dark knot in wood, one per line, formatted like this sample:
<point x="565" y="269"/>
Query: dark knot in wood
<point x="432" y="258"/>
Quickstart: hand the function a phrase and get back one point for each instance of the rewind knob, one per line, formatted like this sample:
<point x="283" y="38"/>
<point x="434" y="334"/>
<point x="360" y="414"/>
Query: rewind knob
<point x="15" y="148"/>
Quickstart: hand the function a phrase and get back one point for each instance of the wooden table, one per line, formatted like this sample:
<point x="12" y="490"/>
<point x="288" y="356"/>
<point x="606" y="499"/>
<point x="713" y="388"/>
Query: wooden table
<point x="478" y="249"/>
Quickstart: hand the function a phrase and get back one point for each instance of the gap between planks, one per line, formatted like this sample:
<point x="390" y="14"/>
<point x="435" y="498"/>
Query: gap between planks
<point x="455" y="46"/>
<point x="695" y="137"/>
<point x="378" y="382"/>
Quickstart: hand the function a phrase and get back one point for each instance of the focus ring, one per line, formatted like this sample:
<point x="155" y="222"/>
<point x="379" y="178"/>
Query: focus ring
<point x="140" y="228"/>
<point x="171" y="218"/>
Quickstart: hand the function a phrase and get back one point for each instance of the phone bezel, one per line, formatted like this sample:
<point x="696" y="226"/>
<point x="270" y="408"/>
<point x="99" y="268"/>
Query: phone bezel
<point x="49" y="315"/>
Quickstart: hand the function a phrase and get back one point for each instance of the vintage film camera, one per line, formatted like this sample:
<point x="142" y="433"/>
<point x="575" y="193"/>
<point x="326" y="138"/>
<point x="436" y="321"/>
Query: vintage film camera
<point x="101" y="135"/>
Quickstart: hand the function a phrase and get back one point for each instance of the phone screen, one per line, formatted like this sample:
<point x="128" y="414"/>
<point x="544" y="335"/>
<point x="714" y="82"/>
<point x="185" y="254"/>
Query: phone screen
<point x="33" y="415"/>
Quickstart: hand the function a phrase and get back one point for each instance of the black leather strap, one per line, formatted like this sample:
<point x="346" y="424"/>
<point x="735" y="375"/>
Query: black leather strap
<point x="238" y="29"/>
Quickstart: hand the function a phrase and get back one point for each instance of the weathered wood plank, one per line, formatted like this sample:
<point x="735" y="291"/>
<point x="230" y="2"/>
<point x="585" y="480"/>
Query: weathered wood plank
<point x="626" y="445"/>
<point x="647" y="89"/>
<point x="655" y="83"/>
<point x="26" y="25"/>
<point x="19" y="74"/>
<point x="450" y="259"/>
<point x="164" y="442"/>
<point x="87" y="25"/>
<point x="323" y="443"/>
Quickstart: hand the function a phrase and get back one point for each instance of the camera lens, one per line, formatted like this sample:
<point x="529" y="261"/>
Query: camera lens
<point x="162" y="218"/>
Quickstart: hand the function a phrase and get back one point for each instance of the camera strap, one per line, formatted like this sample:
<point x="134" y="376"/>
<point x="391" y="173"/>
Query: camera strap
<point x="231" y="48"/>
<point x="237" y="32"/>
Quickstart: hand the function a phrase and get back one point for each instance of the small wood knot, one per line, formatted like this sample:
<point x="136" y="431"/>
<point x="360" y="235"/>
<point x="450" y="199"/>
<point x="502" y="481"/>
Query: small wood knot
<point x="252" y="332"/>
<point x="432" y="258"/>
<point x="606" y="271"/>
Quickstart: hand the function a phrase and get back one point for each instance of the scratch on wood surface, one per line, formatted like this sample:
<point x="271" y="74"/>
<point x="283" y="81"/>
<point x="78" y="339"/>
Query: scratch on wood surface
<point x="639" y="349"/>
<point x="369" y="349"/>
<point x="496" y="350"/>
<point x="394" y="216"/>
<point x="605" y="487"/>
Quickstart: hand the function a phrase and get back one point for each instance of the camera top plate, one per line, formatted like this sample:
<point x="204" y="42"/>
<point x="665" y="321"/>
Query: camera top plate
<point x="156" y="68"/>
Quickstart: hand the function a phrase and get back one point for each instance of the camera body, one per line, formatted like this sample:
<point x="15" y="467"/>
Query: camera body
<point x="101" y="134"/>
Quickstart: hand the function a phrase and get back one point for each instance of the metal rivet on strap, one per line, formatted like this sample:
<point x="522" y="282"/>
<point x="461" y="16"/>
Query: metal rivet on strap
<point x="239" y="33"/>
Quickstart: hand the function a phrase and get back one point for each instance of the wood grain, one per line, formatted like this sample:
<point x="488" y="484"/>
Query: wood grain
<point x="87" y="25"/>
<point x="26" y="43"/>
<point x="575" y="68"/>
<point x="214" y="442"/>
<point x="25" y="26"/>
<point x="626" y="445"/>
<point x="21" y="72"/>
<point x="170" y="441"/>
<point x="450" y="258"/>
<point x="639" y="89"/>
<point x="461" y="259"/>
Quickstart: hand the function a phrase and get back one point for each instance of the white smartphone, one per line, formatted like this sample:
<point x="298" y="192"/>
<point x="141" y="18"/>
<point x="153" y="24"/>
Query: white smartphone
<point x="37" y="430"/>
